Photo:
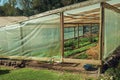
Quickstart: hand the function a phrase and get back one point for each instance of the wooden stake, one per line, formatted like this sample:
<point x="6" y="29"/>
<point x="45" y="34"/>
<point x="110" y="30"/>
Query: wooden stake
<point x="91" y="33"/>
<point x="74" y="33"/>
<point x="21" y="37"/>
<point x="78" y="35"/>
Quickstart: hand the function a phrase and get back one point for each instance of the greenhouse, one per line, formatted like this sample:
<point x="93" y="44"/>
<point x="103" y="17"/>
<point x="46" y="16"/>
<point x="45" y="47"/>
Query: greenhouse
<point x="87" y="32"/>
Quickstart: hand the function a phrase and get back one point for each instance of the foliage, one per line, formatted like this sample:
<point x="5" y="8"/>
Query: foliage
<point x="111" y="74"/>
<point x="71" y="52"/>
<point x="82" y="56"/>
<point x="71" y="47"/>
<point x="68" y="43"/>
<point x="31" y="7"/>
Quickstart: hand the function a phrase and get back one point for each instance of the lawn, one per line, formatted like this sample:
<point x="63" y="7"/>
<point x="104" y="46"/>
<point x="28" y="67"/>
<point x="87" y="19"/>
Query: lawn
<point x="37" y="74"/>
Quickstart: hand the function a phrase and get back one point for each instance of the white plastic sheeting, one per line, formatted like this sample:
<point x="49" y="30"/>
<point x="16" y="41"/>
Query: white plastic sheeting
<point x="111" y="32"/>
<point x="33" y="38"/>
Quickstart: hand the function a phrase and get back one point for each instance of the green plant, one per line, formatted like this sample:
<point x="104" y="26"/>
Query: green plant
<point x="68" y="43"/>
<point x="111" y="74"/>
<point x="82" y="56"/>
<point x="79" y="50"/>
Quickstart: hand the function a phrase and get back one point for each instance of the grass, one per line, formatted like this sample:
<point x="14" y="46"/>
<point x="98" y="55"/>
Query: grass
<point x="35" y="74"/>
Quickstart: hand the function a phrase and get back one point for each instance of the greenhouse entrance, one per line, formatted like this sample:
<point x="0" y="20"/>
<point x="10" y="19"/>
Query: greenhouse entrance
<point x="85" y="33"/>
<point x="81" y="41"/>
<point x="81" y="34"/>
<point x="81" y="44"/>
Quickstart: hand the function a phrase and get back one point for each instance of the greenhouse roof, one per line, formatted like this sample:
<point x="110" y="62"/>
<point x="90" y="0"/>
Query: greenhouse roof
<point x="11" y="20"/>
<point x="87" y="12"/>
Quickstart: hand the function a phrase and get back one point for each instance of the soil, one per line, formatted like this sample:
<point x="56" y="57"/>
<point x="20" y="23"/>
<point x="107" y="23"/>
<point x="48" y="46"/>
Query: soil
<point x="61" y="67"/>
<point x="68" y="67"/>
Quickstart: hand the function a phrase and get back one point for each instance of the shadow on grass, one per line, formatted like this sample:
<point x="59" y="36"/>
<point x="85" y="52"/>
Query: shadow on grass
<point x="2" y="72"/>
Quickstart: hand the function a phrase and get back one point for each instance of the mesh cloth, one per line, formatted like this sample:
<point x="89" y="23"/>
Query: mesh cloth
<point x="34" y="38"/>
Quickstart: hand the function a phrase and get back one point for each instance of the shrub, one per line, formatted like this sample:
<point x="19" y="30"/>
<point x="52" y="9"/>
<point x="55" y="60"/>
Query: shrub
<point x="111" y="74"/>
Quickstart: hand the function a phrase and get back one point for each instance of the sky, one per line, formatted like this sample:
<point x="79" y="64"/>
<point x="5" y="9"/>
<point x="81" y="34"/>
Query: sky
<point x="3" y="2"/>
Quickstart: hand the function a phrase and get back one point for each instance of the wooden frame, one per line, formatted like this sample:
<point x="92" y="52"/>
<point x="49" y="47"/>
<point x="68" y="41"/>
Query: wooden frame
<point x="101" y="32"/>
<point x="106" y="5"/>
<point x="101" y="36"/>
<point x="83" y="61"/>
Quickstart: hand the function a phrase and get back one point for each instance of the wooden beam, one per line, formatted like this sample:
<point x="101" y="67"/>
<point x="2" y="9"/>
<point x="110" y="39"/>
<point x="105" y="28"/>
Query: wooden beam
<point x="83" y="21"/>
<point x="82" y="61"/>
<point x="62" y="34"/>
<point x="86" y="12"/>
<point x="30" y="58"/>
<point x="108" y="6"/>
<point x="67" y="60"/>
<point x="81" y="16"/>
<point x="71" y="25"/>
<point x="90" y="16"/>
<point x="67" y="18"/>
<point x="80" y="23"/>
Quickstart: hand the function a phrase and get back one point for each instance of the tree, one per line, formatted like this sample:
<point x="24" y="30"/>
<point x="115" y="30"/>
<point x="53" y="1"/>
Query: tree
<point x="31" y="7"/>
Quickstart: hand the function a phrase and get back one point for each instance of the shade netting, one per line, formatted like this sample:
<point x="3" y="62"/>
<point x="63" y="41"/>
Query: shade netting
<point x="111" y="32"/>
<point x="38" y="37"/>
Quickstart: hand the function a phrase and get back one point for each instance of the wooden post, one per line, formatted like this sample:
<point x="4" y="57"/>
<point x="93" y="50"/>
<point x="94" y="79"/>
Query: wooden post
<point x="83" y="30"/>
<point x="78" y="35"/>
<point x="21" y="37"/>
<point x="91" y="33"/>
<point x="74" y="32"/>
<point x="101" y="37"/>
<point x="62" y="34"/>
